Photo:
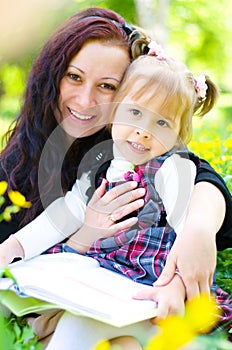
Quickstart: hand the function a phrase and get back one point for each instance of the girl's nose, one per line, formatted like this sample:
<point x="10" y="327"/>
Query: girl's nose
<point x="143" y="133"/>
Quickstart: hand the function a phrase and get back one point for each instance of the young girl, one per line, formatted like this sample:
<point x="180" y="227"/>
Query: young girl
<point x="152" y="120"/>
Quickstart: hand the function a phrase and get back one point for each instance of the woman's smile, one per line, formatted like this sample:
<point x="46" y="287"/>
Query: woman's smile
<point x="80" y="116"/>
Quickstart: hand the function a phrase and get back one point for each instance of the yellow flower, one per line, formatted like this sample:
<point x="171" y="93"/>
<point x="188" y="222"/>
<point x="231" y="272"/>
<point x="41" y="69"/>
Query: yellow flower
<point x="103" y="345"/>
<point x="228" y="143"/>
<point x="172" y="326"/>
<point x="176" y="331"/>
<point x="3" y="187"/>
<point x="18" y="199"/>
<point x="229" y="127"/>
<point x="202" y="313"/>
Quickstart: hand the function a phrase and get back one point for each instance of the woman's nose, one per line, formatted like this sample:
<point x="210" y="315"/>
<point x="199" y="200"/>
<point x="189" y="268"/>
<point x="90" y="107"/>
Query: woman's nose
<point x="86" y="97"/>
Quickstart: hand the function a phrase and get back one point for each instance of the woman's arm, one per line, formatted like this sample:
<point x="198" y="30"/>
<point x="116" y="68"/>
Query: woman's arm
<point x="67" y="214"/>
<point x="205" y="173"/>
<point x="194" y="251"/>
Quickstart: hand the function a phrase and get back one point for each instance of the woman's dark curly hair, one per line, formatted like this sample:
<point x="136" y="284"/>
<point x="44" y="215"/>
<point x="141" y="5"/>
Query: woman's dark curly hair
<point x="20" y="160"/>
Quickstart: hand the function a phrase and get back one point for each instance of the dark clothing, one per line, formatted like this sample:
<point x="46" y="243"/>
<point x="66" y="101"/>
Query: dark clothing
<point x="206" y="173"/>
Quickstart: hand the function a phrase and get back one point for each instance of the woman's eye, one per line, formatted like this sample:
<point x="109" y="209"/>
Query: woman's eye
<point x="74" y="77"/>
<point x="162" y="122"/>
<point x="108" y="86"/>
<point x="136" y="112"/>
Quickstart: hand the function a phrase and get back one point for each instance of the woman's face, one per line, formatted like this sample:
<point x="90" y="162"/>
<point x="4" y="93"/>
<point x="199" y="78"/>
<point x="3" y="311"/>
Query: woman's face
<point x="89" y="86"/>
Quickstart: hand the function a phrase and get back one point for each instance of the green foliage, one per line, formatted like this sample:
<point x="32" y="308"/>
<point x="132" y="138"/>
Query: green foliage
<point x="125" y="8"/>
<point x="15" y="334"/>
<point x="224" y="270"/>
<point x="12" y="77"/>
<point x="198" y="32"/>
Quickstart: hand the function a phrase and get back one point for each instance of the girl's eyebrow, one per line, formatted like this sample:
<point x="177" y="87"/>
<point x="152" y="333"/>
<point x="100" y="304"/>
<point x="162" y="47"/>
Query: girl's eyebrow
<point x="109" y="78"/>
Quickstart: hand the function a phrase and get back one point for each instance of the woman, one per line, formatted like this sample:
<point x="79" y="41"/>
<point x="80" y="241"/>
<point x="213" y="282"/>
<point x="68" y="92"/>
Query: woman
<point x="84" y="85"/>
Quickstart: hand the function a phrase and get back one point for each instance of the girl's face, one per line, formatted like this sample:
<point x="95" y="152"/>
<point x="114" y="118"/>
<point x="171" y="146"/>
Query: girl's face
<point x="89" y="86"/>
<point x="143" y="133"/>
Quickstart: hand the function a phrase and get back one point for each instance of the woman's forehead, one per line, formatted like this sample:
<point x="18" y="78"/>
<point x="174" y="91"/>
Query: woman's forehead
<point x="101" y="59"/>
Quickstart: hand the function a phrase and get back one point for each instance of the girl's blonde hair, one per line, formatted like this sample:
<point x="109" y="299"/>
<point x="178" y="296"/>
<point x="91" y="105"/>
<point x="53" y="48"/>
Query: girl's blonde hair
<point x="149" y="77"/>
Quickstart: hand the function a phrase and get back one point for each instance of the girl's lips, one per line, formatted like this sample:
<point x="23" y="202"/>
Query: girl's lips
<point x="138" y="146"/>
<point x="80" y="116"/>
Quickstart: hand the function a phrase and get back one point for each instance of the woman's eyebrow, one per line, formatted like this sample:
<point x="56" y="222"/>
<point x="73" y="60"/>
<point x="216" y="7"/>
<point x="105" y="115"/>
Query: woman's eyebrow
<point x="109" y="78"/>
<point x="71" y="65"/>
<point x="112" y="78"/>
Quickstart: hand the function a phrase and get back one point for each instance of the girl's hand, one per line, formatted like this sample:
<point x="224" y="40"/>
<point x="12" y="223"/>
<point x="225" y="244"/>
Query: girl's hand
<point x="108" y="207"/>
<point x="170" y="298"/>
<point x="103" y="212"/>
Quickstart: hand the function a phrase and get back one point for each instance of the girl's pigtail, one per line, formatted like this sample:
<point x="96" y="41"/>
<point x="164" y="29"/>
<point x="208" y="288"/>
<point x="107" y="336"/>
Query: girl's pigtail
<point x="207" y="95"/>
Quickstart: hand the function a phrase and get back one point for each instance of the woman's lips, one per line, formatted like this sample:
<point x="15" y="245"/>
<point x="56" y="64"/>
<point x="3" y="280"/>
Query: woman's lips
<point x="80" y="116"/>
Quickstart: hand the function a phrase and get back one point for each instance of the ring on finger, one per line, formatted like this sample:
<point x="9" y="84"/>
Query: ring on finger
<point x="111" y="217"/>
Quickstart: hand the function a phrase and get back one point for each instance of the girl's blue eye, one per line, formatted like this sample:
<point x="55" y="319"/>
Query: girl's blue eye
<point x="136" y="112"/>
<point x="163" y="123"/>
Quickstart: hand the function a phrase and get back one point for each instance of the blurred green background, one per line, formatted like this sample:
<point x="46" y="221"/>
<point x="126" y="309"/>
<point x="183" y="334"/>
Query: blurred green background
<point x="199" y="32"/>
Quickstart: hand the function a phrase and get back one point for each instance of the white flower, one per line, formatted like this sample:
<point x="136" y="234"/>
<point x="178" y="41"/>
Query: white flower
<point x="201" y="86"/>
<point x="156" y="50"/>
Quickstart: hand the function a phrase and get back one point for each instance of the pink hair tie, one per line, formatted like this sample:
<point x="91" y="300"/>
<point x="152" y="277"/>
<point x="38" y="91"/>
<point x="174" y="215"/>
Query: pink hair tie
<point x="156" y="50"/>
<point x="200" y="87"/>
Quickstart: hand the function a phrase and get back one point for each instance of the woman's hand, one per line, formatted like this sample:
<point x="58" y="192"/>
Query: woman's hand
<point x="9" y="250"/>
<point x="194" y="251"/>
<point x="103" y="212"/>
<point x="194" y="255"/>
<point x="170" y="298"/>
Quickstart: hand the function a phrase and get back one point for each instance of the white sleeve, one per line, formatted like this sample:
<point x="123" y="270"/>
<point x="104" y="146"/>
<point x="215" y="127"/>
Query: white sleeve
<point x="60" y="219"/>
<point x="174" y="182"/>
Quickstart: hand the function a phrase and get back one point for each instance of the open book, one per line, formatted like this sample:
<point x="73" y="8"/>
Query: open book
<point x="76" y="283"/>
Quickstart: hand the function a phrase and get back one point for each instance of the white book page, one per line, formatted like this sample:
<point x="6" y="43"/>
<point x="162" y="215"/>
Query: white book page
<point x="77" y="283"/>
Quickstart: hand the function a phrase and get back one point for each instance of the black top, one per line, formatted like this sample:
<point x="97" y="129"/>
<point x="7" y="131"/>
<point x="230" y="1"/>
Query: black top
<point x="204" y="173"/>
